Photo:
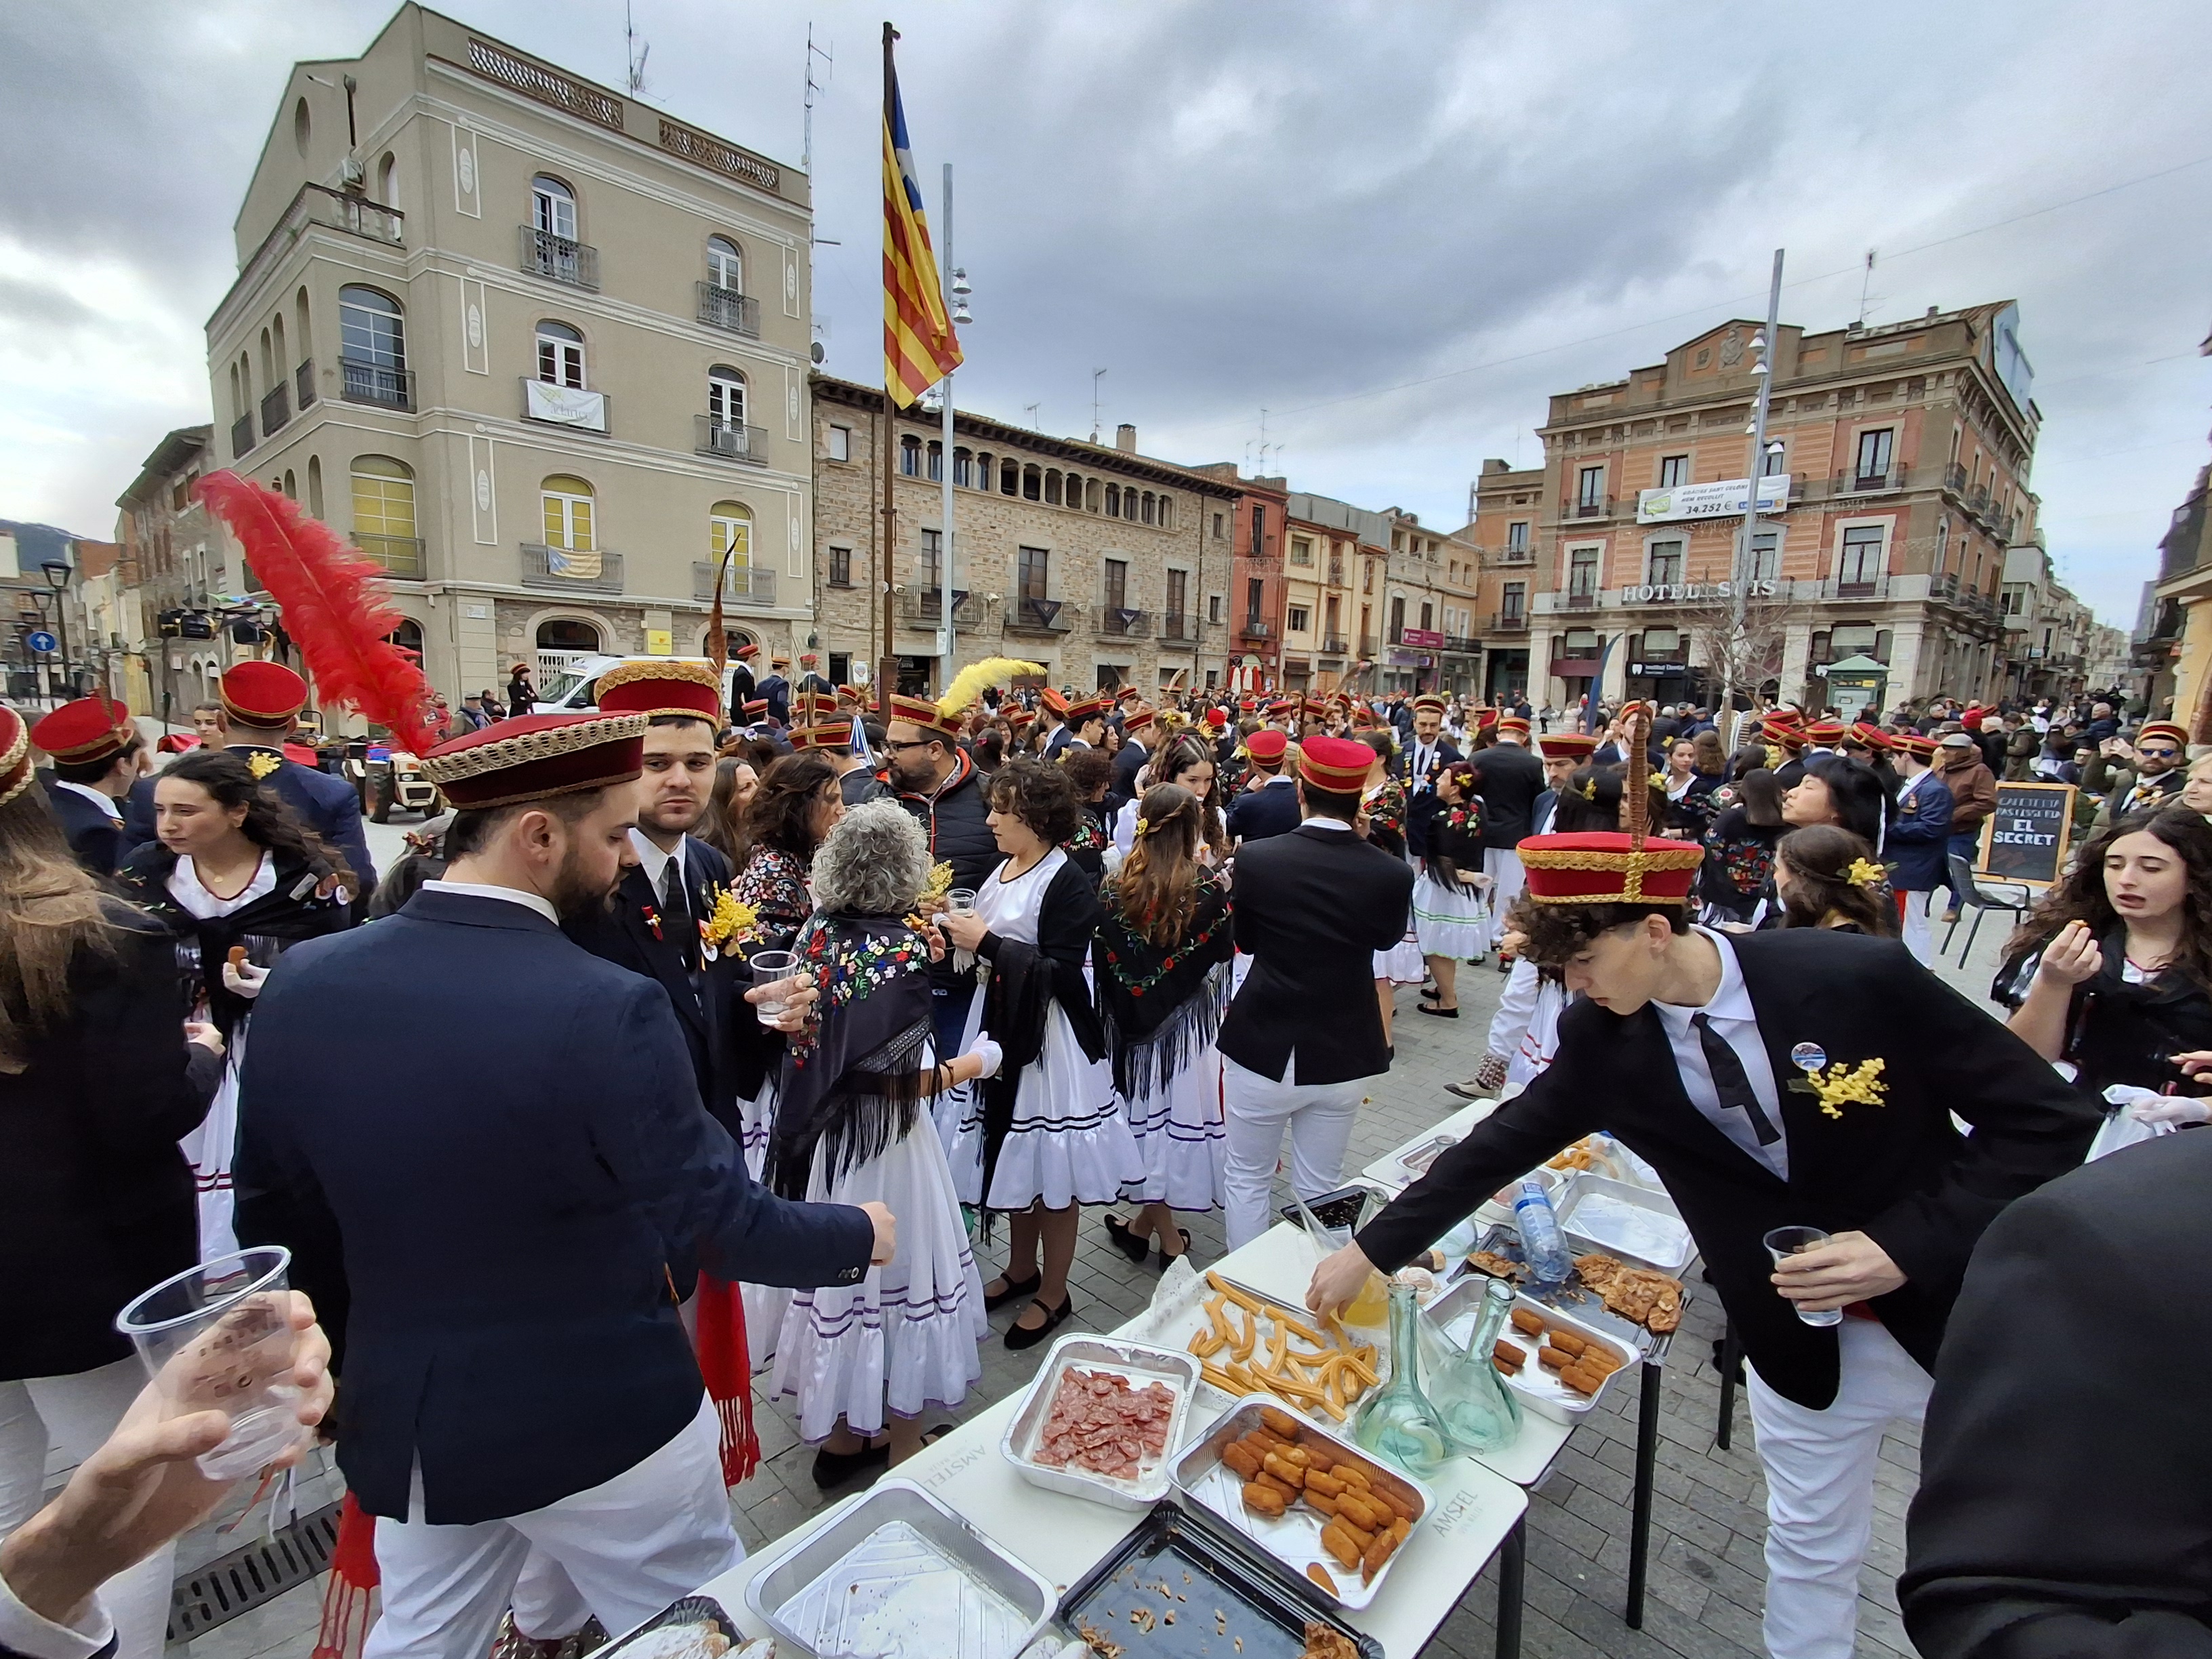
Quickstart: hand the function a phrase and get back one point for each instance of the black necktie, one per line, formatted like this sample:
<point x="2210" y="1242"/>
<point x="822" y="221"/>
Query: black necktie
<point x="678" y="903"/>
<point x="1730" y="1082"/>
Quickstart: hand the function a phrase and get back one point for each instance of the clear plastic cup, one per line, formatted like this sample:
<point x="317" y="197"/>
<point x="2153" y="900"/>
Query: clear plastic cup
<point x="772" y="968"/>
<point x="219" y="1337"/>
<point x="960" y="902"/>
<point x="1790" y="1241"/>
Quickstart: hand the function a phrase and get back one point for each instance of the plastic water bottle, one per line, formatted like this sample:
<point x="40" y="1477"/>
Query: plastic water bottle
<point x="1538" y="1227"/>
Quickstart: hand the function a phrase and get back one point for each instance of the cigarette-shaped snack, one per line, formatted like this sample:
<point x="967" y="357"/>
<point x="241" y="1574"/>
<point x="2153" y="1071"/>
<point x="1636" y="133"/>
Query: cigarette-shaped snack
<point x="1274" y="1484"/>
<point x="1351" y="1474"/>
<point x="1597" y="1358"/>
<point x="1362" y="1511"/>
<point x="1371" y="1560"/>
<point x="237" y="955"/>
<point x="1581" y="1381"/>
<point x="1528" y="1323"/>
<point x="1263" y="1499"/>
<point x="1342" y="1545"/>
<point x="1319" y="1574"/>
<point x="1509" y="1358"/>
<point x="1279" y="1424"/>
<point x="1564" y="1340"/>
<point x="1280" y="1468"/>
<point x="1320" y="1501"/>
<point x="1242" y="1459"/>
<point x="1553" y="1358"/>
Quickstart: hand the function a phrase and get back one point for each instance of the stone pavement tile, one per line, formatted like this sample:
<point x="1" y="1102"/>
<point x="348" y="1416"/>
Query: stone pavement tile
<point x="284" y="1625"/>
<point x="1724" y="1576"/>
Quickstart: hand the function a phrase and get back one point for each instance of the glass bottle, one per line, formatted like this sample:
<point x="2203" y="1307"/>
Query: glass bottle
<point x="1481" y="1412"/>
<point x="1399" y="1423"/>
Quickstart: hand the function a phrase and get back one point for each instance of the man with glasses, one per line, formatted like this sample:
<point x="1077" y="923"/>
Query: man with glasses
<point x="934" y="779"/>
<point x="2157" y="776"/>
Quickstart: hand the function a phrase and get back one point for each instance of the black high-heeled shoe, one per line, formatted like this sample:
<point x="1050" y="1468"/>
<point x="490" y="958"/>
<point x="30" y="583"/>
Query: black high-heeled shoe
<point x="1166" y="1259"/>
<point x="1024" y="1336"/>
<point x="1125" y="1238"/>
<point x="1015" y="1290"/>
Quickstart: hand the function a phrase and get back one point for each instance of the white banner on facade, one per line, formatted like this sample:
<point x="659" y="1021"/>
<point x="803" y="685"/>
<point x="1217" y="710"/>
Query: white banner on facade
<point x="568" y="405"/>
<point x="1710" y="500"/>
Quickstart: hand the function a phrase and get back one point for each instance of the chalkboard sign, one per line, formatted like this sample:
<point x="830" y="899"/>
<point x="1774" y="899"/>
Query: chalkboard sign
<point x="2025" y="838"/>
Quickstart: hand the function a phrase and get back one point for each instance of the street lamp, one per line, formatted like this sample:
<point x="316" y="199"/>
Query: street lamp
<point x="58" y="575"/>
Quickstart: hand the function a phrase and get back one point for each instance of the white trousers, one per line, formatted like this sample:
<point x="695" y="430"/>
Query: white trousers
<point x="1918" y="937"/>
<point x="1319" y="1115"/>
<point x="1819" y="1489"/>
<point x="623" y="1550"/>
<point x="72" y="1415"/>
<point x="1507" y="881"/>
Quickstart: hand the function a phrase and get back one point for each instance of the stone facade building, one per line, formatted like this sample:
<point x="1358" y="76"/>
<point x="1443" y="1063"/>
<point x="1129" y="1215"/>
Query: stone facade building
<point x="1335" y="573"/>
<point x="537" y="348"/>
<point x="1899" y="458"/>
<point x="1432" y="635"/>
<point x="1104" y="566"/>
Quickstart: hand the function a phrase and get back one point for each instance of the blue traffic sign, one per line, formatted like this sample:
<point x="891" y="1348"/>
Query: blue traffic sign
<point x="44" y="642"/>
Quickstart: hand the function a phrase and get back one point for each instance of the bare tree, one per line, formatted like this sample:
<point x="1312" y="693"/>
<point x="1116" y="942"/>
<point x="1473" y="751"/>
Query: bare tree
<point x="1746" y="655"/>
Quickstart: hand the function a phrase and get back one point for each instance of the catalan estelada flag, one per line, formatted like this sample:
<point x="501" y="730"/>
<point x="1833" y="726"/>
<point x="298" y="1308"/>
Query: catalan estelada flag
<point x="919" y="348"/>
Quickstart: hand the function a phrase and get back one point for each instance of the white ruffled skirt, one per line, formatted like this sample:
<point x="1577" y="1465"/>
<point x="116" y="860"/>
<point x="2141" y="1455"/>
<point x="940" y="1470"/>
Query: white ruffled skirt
<point x="756" y="1118"/>
<point x="1069" y="1143"/>
<point x="1181" y="1133"/>
<point x="1401" y="963"/>
<point x="906" y="1336"/>
<point x="1450" y="919"/>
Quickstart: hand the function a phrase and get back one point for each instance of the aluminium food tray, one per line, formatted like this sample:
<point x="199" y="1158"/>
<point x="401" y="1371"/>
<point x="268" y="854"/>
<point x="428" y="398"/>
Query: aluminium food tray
<point x="897" y="1575"/>
<point x="1229" y="1602"/>
<point x="1141" y="1363"/>
<point x="1454" y="1314"/>
<point x="1293" y="1538"/>
<point x="696" y="1627"/>
<point x="1633" y="1223"/>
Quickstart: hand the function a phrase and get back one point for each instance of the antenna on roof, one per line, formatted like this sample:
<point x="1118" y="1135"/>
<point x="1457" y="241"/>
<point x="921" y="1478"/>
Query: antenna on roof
<point x="1030" y="410"/>
<point x="633" y="52"/>
<point x="1867" y="299"/>
<point x="828" y="58"/>
<point x="1094" y="375"/>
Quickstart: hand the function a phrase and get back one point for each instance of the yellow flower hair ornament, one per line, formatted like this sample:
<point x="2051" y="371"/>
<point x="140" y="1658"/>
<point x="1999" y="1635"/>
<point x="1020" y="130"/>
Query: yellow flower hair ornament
<point x="1657" y="780"/>
<point x="1865" y="873"/>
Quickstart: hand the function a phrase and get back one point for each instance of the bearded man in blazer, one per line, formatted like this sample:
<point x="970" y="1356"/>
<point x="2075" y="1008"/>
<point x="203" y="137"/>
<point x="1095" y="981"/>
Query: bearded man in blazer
<point x="1304" y="1037"/>
<point x="1699" y="1051"/>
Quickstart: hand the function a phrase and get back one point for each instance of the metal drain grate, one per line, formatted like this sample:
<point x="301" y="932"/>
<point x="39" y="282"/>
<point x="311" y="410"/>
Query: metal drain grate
<point x="251" y="1574"/>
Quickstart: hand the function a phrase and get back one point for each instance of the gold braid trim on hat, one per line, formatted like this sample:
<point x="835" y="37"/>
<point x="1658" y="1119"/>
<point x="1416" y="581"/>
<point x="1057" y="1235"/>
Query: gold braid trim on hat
<point x="14" y="758"/>
<point x="659" y="668"/>
<point x="528" y="746"/>
<point x="1633" y="865"/>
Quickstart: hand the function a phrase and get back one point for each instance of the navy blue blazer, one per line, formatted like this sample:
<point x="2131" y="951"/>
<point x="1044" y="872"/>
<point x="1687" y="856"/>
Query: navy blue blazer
<point x="139" y="815"/>
<point x="327" y="804"/>
<point x="505" y="1191"/>
<point x="96" y="840"/>
<point x="1918" y="841"/>
<point x="1271" y="809"/>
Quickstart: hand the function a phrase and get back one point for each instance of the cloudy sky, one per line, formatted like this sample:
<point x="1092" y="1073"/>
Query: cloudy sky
<point x="1394" y="227"/>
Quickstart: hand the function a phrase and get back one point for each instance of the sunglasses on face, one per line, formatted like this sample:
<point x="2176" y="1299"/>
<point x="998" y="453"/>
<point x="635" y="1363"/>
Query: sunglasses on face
<point x="2159" y="754"/>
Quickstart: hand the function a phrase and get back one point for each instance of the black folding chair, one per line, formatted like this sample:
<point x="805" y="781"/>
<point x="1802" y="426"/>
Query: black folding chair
<point x="1981" y="897"/>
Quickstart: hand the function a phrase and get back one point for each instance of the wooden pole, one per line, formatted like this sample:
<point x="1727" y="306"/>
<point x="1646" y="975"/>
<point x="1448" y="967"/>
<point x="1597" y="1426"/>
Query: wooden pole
<point x="887" y="666"/>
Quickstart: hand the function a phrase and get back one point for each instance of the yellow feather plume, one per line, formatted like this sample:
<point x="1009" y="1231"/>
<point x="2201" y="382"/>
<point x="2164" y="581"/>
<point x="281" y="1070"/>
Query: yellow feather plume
<point x="968" y="684"/>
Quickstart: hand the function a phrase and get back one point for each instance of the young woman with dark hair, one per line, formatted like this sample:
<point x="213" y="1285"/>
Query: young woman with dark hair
<point x="1161" y="961"/>
<point x="1185" y="759"/>
<point x="98" y="1083"/>
<point x="1689" y="790"/>
<point x="735" y="783"/>
<point x="1452" y="921"/>
<point x="798" y="803"/>
<point x="1739" y="847"/>
<point x="1090" y="772"/>
<point x="1825" y="877"/>
<point x="1838" y="790"/>
<point x="2112" y="971"/>
<point x="1045" y="1134"/>
<point x="1383" y="817"/>
<point x="237" y="880"/>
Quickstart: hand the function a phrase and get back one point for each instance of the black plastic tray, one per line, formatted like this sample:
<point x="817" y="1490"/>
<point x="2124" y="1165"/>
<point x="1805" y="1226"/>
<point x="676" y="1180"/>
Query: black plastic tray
<point x="1194" y="1558"/>
<point x="1339" y="1208"/>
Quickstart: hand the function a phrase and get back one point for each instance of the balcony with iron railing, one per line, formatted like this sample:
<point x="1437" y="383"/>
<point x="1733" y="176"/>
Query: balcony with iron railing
<point x="1508" y="558"/>
<point x="1864" y="586"/>
<point x="1367" y="645"/>
<point x="1510" y="622"/>
<point x="571" y="570"/>
<point x="1599" y="507"/>
<point x="729" y="441"/>
<point x="1868" y="483"/>
<point x="400" y="556"/>
<point x="1954" y="478"/>
<point x="384" y="385"/>
<point x="559" y="259"/>
<point x="276" y="408"/>
<point x="1178" y="628"/>
<point x="241" y="436"/>
<point x="924" y="606"/>
<point x="742" y="584"/>
<point x="1335" y="645"/>
<point x="1255" y="628"/>
<point x="317" y="205"/>
<point x="727" y="309"/>
<point x="304" y="377"/>
<point x="1336" y="573"/>
<point x="1122" y="622"/>
<point x="1581" y="598"/>
<point x="1030" y="615"/>
<point x="1465" y="644"/>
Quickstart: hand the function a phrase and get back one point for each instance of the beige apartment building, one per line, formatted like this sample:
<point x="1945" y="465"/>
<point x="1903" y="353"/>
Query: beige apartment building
<point x="1335" y="578"/>
<point x="537" y="348"/>
<point x="1504" y="533"/>
<point x="1433" y="638"/>
<point x="1103" y="566"/>
<point x="1896" y="481"/>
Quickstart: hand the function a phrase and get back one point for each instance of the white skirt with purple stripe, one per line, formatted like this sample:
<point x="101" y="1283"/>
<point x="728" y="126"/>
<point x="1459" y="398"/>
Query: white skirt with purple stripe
<point x="907" y="1335"/>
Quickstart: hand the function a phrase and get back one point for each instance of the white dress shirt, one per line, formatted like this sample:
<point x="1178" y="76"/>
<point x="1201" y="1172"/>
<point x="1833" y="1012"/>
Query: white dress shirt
<point x="1425" y="755"/>
<point x="105" y="803"/>
<point x="511" y="894"/>
<point x="655" y="862"/>
<point x="24" y="1631"/>
<point x="1731" y="1014"/>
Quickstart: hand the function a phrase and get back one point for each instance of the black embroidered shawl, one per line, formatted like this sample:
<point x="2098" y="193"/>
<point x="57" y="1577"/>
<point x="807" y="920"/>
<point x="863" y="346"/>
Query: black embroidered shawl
<point x="1161" y="1006"/>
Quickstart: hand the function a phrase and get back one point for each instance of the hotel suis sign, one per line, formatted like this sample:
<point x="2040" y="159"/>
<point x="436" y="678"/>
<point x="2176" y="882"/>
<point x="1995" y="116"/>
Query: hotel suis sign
<point x="1764" y="588"/>
<point x="1710" y="500"/>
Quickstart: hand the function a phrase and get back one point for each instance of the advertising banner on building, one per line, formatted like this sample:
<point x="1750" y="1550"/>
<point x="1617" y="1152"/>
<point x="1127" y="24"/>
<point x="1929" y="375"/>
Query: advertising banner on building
<point x="1710" y="500"/>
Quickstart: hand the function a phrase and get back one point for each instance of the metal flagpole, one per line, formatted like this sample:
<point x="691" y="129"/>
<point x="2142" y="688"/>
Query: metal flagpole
<point x="887" y="666"/>
<point x="946" y="627"/>
<point x="1740" y="580"/>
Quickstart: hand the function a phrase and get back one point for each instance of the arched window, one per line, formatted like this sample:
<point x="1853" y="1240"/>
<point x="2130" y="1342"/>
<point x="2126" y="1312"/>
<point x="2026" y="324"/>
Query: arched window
<point x="1167" y="512"/>
<point x="1032" y="483"/>
<point x="963" y="468"/>
<point x="303" y="341"/>
<point x="1113" y="500"/>
<point x="568" y="513"/>
<point x="408" y="636"/>
<point x="383" y="507"/>
<point x="291" y="488"/>
<point x="730" y="530"/>
<point x="983" y="473"/>
<point x="560" y="354"/>
<point x="315" y="486"/>
<point x="1074" y="491"/>
<point x="387" y="180"/>
<point x="373" y="347"/>
<point x="936" y="462"/>
<point x="1129" y="504"/>
<point x="725" y="396"/>
<point x="1052" y="486"/>
<point x="909" y="458"/>
<point x="268" y="372"/>
<point x="282" y="362"/>
<point x="553" y="207"/>
<point x="1150" y="506"/>
<point x="725" y="266"/>
<point x="1010" y="479"/>
<point x="562" y="635"/>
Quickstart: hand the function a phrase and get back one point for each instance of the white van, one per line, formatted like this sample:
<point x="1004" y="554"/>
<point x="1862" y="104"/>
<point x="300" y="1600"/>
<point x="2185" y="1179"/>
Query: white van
<point x="574" y="691"/>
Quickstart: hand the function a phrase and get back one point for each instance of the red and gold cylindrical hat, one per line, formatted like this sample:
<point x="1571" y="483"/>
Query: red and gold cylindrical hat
<point x="1138" y="723"/>
<point x="1336" y="764"/>
<point x="1826" y="733"/>
<point x="1124" y="694"/>
<point x="1090" y="708"/>
<point x="1911" y="743"/>
<point x="920" y="711"/>
<point x="15" y="769"/>
<point x="1483" y="719"/>
<point x="1567" y="745"/>
<point x="1513" y="723"/>
<point x="1608" y="866"/>
<point x="754" y="710"/>
<point x="1872" y="736"/>
<point x="1269" y="744"/>
<point x="1282" y="706"/>
<point x="89" y="729"/>
<point x="537" y="757"/>
<point x="1789" y="733"/>
<point x="1217" y="718"/>
<point x="2165" y="729"/>
<point x="1052" y="702"/>
<point x="263" y="693"/>
<point x="1432" y="700"/>
<point x="804" y="737"/>
<point x="651" y="685"/>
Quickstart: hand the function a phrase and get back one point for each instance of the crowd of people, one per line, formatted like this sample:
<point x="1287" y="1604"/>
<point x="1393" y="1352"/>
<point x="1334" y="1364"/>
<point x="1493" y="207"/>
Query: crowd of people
<point x="798" y="1028"/>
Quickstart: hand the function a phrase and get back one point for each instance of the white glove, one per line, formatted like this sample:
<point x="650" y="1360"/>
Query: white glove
<point x="990" y="1055"/>
<point x="2172" y="1108"/>
<point x="244" y="980"/>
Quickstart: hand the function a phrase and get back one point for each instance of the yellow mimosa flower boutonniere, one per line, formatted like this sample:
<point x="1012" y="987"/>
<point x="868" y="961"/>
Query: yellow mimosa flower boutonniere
<point x="1844" y="1085"/>
<point x="729" y="920"/>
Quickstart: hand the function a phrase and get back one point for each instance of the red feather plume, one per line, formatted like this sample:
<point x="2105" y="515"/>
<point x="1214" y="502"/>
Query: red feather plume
<point x="336" y="604"/>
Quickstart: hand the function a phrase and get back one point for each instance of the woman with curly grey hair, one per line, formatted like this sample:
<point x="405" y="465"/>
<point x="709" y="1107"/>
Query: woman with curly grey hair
<point x="852" y="1123"/>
